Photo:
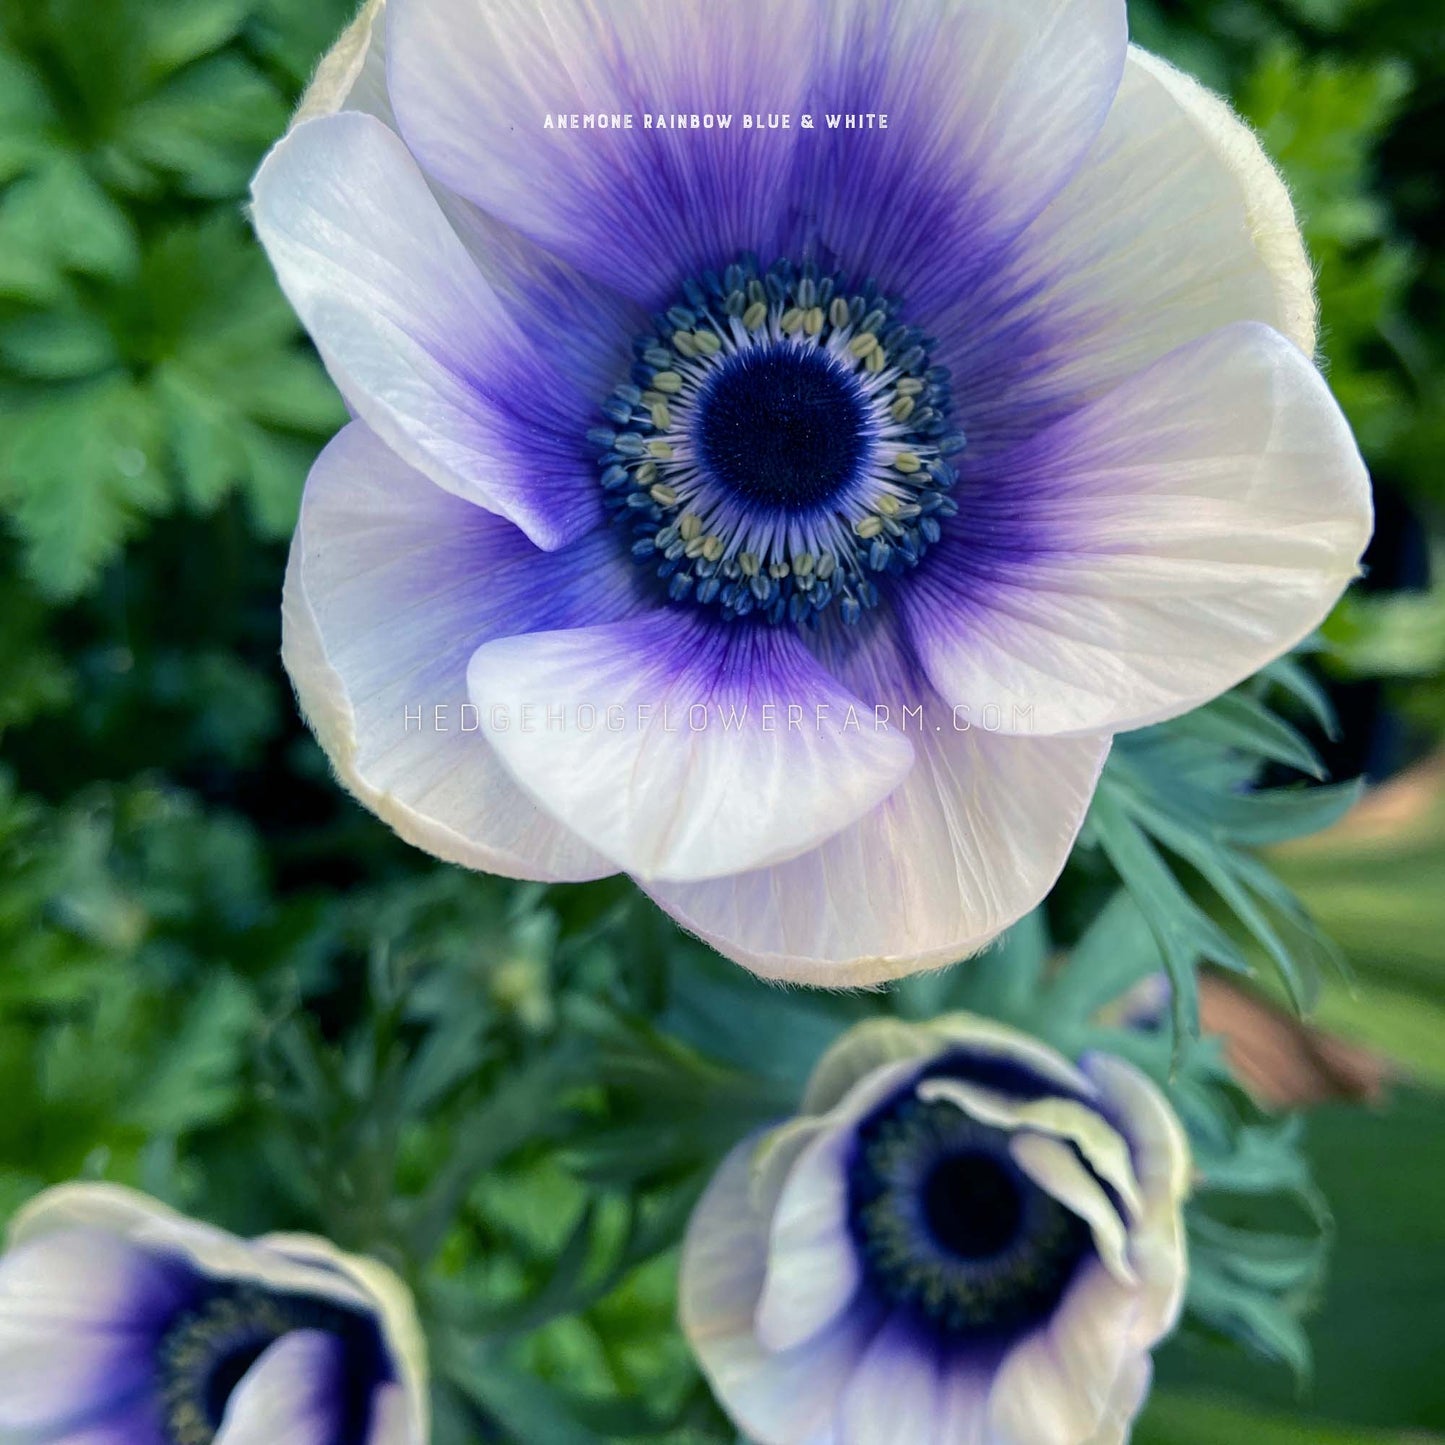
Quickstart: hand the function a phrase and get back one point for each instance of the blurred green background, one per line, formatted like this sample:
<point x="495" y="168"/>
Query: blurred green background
<point x="178" y="873"/>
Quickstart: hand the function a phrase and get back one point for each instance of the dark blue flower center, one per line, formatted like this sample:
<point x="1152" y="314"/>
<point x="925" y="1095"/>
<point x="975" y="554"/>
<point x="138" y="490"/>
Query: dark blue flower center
<point x="209" y="1349"/>
<point x="782" y="447"/>
<point x="972" y="1205"/>
<point x="782" y="427"/>
<point x="951" y="1230"/>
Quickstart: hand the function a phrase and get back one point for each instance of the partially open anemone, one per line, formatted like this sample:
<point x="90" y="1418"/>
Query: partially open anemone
<point x="962" y="1238"/>
<point x="123" y="1323"/>
<point x="789" y="517"/>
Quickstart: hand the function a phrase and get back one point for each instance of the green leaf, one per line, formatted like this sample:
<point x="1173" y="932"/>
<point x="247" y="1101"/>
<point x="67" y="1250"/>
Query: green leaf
<point x="79" y="468"/>
<point x="1177" y="1419"/>
<point x="1237" y="720"/>
<point x="206" y="129"/>
<point x="197" y="1078"/>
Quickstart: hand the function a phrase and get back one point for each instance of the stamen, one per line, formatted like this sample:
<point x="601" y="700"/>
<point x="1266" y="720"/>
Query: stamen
<point x="781" y="445"/>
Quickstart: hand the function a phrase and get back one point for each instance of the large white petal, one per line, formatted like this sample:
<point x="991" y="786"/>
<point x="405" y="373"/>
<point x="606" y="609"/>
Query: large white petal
<point x="1176" y="224"/>
<point x="421" y="346"/>
<point x="970" y="842"/>
<point x="393" y="583"/>
<point x="680" y="749"/>
<point x="1151" y="550"/>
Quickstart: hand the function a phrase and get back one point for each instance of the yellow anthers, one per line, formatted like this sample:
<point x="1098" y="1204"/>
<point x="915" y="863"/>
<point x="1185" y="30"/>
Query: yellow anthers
<point x="862" y="344"/>
<point x="663" y="495"/>
<point x="749" y="564"/>
<point x="813" y="320"/>
<point x="708" y="343"/>
<point x="668" y="382"/>
<point x="690" y="526"/>
<point x="791" y="320"/>
<point x="876" y="360"/>
<point x="684" y="343"/>
<point x="660" y="449"/>
<point x="867" y="527"/>
<point x="827" y="565"/>
<point x="907" y="463"/>
<point x="755" y="315"/>
<point x="887" y="504"/>
<point x="803" y="563"/>
<point x="838" y="313"/>
<point x="662" y="417"/>
<point x="695" y="547"/>
<point x="902" y="408"/>
<point x="909" y="385"/>
<point x="712" y="547"/>
<point x="778" y="570"/>
<point x="646" y="474"/>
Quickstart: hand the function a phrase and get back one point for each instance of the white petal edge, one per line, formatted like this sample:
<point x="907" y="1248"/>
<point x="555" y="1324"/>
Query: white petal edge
<point x="340" y="74"/>
<point x="403" y="1409"/>
<point x="973" y="839"/>
<point x="148" y="1224"/>
<point x="882" y="1042"/>
<point x="367" y="515"/>
<point x="1270" y="212"/>
<point x="1163" y="1161"/>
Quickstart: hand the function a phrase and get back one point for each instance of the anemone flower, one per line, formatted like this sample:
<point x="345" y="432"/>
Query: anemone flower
<point x="962" y="1240"/>
<point x="790" y="440"/>
<point x="123" y="1323"/>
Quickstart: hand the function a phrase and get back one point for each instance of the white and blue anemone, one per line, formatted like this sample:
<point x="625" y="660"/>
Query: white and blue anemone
<point x="123" y="1323"/>
<point x="789" y="517"/>
<point x="964" y="1239"/>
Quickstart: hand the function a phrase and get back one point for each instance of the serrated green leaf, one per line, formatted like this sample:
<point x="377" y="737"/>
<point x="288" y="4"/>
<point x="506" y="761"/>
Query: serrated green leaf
<point x="196" y="1080"/>
<point x="206" y="129"/>
<point x="78" y="469"/>
<point x="57" y="346"/>
<point x="1237" y="720"/>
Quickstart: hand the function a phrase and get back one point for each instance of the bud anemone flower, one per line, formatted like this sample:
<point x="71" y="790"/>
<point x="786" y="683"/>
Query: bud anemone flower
<point x="123" y="1323"/>
<point x="963" y="1238"/>
<point x="788" y="515"/>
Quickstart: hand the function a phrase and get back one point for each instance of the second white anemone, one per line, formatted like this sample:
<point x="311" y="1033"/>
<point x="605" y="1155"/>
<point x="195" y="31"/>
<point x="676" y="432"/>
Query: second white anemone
<point x="964" y="1239"/>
